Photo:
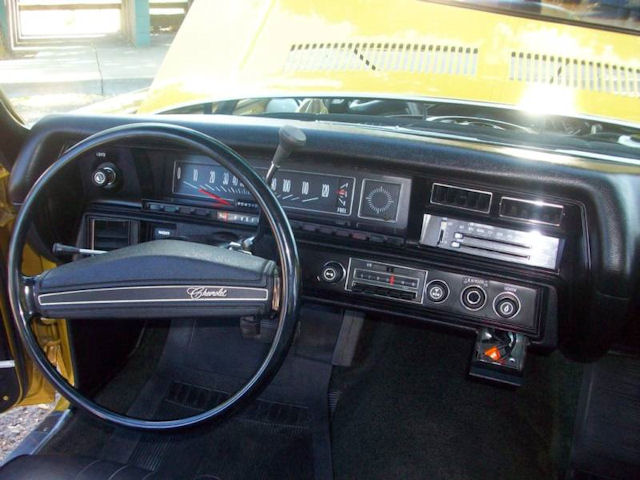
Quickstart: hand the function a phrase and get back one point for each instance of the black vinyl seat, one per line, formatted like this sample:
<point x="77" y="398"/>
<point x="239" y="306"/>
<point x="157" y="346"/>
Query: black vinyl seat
<point x="60" y="467"/>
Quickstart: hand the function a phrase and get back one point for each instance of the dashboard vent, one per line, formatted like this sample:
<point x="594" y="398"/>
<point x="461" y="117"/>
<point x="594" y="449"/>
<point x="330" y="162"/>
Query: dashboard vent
<point x="577" y="73"/>
<point x="531" y="211"/>
<point x="459" y="197"/>
<point x="426" y="58"/>
<point x="110" y="234"/>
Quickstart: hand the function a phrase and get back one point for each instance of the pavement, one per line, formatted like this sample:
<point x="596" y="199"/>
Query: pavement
<point x="17" y="423"/>
<point x="58" y="78"/>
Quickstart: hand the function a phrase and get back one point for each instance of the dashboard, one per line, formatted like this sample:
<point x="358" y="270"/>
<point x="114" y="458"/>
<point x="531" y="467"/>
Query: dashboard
<point x="453" y="233"/>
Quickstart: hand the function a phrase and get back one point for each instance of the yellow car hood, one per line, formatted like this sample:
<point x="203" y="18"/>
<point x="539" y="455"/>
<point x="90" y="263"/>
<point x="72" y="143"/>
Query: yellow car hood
<point x="400" y="48"/>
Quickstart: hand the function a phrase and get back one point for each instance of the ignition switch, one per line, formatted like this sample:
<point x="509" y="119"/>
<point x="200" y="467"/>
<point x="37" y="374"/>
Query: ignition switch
<point x="107" y="176"/>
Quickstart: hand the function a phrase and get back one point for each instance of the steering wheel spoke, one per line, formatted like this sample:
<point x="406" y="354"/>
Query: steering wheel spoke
<point x="159" y="279"/>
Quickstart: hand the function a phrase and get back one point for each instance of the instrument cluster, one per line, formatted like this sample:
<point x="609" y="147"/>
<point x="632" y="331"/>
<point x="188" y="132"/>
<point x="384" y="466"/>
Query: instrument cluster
<point x="354" y="197"/>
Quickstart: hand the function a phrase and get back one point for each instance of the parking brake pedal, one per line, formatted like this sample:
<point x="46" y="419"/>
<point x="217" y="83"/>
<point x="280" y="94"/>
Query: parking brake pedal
<point x="499" y="356"/>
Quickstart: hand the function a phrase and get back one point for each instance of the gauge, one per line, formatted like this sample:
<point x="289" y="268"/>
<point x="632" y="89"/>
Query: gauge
<point x="208" y="181"/>
<point x="314" y="192"/>
<point x="379" y="200"/>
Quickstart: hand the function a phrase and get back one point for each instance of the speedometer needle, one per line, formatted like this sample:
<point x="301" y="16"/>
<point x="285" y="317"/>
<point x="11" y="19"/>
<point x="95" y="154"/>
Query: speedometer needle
<point x="214" y="196"/>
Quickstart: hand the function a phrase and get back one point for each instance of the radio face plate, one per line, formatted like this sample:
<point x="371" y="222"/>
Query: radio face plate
<point x="385" y="280"/>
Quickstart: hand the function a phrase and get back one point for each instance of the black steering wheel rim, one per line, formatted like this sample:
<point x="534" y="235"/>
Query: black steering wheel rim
<point x="274" y="214"/>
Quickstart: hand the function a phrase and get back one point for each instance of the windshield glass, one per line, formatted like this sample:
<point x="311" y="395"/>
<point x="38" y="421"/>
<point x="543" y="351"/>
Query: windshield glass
<point x="504" y="65"/>
<point x="599" y="13"/>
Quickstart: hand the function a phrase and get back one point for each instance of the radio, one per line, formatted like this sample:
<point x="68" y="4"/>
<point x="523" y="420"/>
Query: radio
<point x="385" y="280"/>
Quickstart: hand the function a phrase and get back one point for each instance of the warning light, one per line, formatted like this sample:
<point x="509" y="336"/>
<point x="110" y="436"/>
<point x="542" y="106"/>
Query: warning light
<point x="493" y="353"/>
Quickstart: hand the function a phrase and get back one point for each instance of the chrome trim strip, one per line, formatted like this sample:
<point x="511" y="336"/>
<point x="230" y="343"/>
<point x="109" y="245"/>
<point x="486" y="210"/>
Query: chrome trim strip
<point x="7" y="364"/>
<point x="460" y="188"/>
<point x="599" y="156"/>
<point x="263" y="292"/>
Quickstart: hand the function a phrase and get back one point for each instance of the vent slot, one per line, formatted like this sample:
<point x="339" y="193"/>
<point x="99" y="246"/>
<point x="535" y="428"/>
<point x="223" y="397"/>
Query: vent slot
<point x="575" y="73"/>
<point x="531" y="211"/>
<point x="425" y="58"/>
<point x="111" y="234"/>
<point x="458" y="197"/>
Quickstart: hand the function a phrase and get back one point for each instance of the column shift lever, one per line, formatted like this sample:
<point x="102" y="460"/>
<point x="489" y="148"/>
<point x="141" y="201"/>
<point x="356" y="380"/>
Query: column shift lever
<point x="290" y="139"/>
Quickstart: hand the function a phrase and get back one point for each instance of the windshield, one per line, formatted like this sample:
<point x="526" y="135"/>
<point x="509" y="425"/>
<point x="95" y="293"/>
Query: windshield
<point x="567" y="67"/>
<point x="624" y="15"/>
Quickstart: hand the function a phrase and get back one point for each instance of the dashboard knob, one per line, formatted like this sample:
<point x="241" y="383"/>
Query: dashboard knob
<point x="506" y="305"/>
<point x="105" y="176"/>
<point x="473" y="297"/>
<point x="437" y="291"/>
<point x="332" y="272"/>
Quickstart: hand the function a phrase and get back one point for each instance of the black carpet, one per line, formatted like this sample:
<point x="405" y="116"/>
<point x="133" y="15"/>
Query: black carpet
<point x="406" y="410"/>
<point x="284" y="434"/>
<point x="412" y="413"/>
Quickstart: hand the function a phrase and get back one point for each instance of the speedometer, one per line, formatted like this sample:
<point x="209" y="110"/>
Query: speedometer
<point x="209" y="182"/>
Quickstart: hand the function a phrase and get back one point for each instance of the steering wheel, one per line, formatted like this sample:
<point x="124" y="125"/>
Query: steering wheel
<point x="160" y="279"/>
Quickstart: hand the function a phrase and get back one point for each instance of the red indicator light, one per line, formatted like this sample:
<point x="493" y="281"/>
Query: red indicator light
<point x="493" y="353"/>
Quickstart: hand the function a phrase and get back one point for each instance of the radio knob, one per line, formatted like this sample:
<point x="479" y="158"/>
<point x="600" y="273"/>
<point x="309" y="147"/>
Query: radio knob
<point x="437" y="291"/>
<point x="332" y="272"/>
<point x="473" y="297"/>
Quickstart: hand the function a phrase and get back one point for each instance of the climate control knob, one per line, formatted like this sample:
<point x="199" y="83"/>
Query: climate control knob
<point x="506" y="305"/>
<point x="332" y="272"/>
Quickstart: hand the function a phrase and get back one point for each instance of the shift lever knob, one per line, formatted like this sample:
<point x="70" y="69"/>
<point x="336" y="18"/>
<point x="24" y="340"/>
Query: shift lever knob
<point x="291" y="139"/>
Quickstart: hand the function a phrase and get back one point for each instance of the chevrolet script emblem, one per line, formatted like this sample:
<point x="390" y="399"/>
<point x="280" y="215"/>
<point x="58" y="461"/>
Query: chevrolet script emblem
<point x="197" y="293"/>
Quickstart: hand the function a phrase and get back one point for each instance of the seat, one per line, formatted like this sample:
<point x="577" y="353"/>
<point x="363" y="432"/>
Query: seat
<point x="59" y="467"/>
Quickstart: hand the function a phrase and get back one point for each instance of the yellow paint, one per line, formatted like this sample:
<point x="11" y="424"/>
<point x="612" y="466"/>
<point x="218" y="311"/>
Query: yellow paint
<point x="52" y="334"/>
<point x="228" y="50"/>
<point x="53" y="338"/>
